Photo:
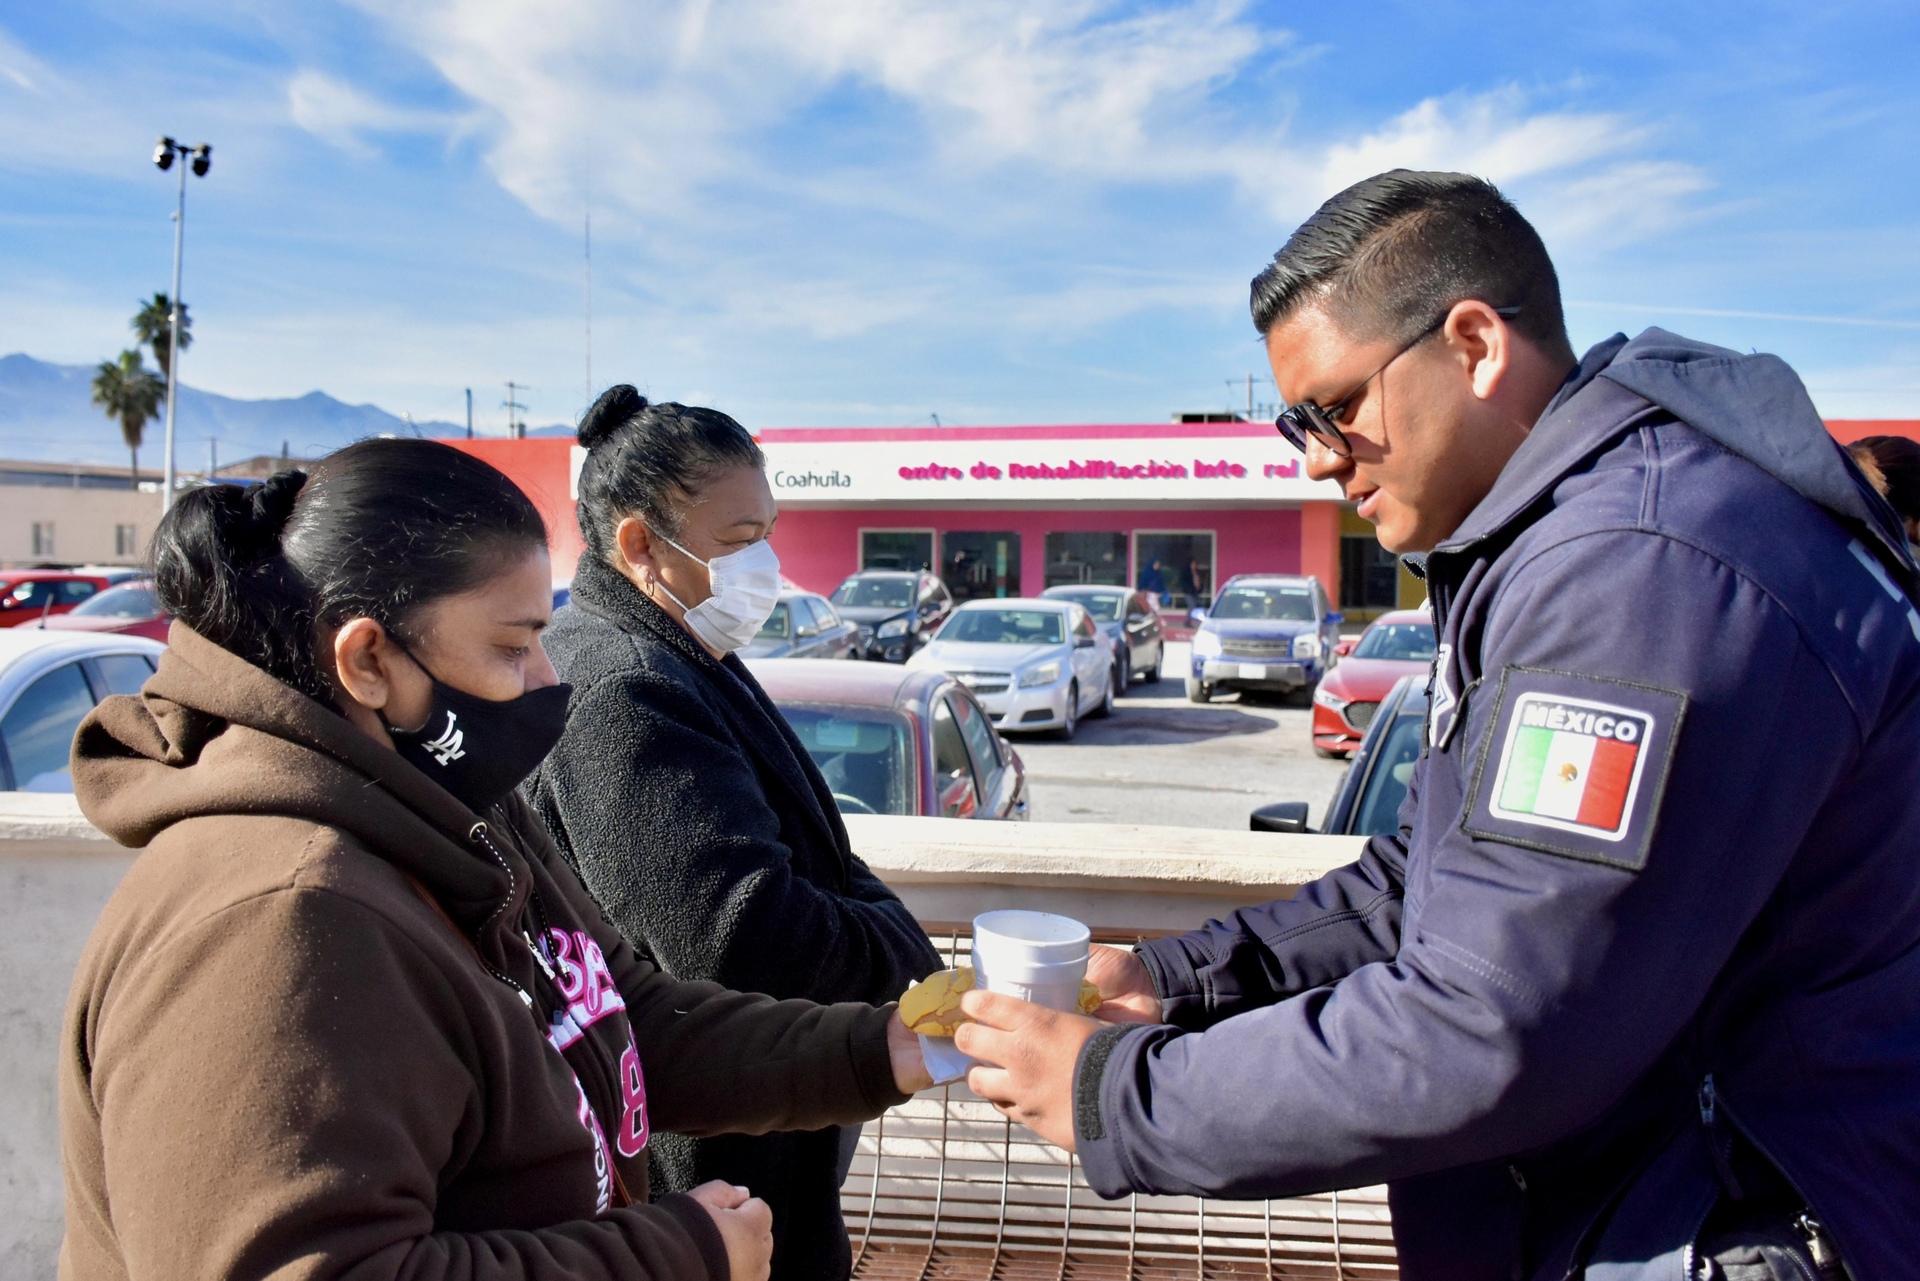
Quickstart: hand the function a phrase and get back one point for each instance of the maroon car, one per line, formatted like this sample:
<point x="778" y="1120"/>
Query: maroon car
<point x="132" y="608"/>
<point x="893" y="740"/>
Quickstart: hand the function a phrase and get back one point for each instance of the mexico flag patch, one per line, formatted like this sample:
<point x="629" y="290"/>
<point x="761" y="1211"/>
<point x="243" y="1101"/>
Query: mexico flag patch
<point x="1571" y="763"/>
<point x="1574" y="764"/>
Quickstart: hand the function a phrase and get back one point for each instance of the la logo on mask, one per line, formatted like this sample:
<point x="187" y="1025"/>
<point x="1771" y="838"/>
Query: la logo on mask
<point x="447" y="747"/>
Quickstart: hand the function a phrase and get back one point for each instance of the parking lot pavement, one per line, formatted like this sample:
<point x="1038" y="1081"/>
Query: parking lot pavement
<point x="1161" y="759"/>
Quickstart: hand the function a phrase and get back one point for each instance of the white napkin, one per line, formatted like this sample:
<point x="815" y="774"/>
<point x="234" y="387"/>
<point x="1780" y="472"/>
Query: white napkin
<point x="944" y="1062"/>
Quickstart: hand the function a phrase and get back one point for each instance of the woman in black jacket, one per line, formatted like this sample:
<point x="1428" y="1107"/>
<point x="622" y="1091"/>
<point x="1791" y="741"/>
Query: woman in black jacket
<point x="682" y="796"/>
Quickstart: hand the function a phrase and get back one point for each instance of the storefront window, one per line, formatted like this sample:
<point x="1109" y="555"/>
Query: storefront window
<point x="1369" y="573"/>
<point x="1176" y="569"/>
<point x="896" y="549"/>
<point x="974" y="565"/>
<point x="1073" y="559"/>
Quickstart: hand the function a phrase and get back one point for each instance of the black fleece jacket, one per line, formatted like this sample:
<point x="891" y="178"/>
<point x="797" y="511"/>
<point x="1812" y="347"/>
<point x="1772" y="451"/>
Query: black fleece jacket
<point x="692" y="812"/>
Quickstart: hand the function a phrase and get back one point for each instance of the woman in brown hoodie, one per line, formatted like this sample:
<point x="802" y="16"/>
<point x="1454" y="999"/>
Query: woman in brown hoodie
<point x="350" y="1014"/>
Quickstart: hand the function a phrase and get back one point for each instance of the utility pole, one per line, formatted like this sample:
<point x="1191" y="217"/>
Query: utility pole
<point x="516" y="426"/>
<point x="199" y="159"/>
<point x="469" y="413"/>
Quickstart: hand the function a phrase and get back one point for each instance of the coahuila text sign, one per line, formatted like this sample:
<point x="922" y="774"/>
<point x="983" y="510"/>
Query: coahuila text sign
<point x="1205" y="469"/>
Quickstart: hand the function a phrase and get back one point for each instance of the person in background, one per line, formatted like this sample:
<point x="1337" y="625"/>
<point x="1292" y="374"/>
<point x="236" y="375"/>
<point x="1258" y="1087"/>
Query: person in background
<point x="682" y="795"/>
<point x="350" y="1014"/>
<point x="1153" y="581"/>
<point x="1892" y="464"/>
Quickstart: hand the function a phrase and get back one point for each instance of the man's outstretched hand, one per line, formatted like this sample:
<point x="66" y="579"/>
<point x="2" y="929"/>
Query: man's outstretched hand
<point x="1035" y="1049"/>
<point x="1126" y="992"/>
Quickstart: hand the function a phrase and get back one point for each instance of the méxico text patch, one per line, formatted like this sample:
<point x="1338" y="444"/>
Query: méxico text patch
<point x="1574" y="765"/>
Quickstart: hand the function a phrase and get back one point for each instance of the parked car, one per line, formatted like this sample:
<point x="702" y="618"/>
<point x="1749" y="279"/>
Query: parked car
<point x="114" y="574"/>
<point x="804" y="625"/>
<point x="1129" y="620"/>
<point x="1033" y="663"/>
<point x="1394" y="645"/>
<point x="49" y="681"/>
<point x="1375" y="784"/>
<point x="37" y="593"/>
<point x="1271" y="632"/>
<point x="899" y="608"/>
<point x="898" y="741"/>
<point x="130" y="608"/>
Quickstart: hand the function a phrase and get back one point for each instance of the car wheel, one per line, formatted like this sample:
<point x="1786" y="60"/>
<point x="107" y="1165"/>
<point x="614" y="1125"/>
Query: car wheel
<point x="1198" y="692"/>
<point x="1122" y="678"/>
<point x="1106" y="699"/>
<point x="1072" y="721"/>
<point x="1152" y="674"/>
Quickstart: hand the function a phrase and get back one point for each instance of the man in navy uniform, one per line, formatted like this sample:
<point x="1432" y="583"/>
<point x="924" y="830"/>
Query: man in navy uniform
<point x="1637" y="983"/>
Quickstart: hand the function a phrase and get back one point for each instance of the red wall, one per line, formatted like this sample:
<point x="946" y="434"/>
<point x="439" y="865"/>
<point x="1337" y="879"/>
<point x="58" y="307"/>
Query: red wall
<point x="542" y="467"/>
<point x="819" y="548"/>
<point x="1848" y="430"/>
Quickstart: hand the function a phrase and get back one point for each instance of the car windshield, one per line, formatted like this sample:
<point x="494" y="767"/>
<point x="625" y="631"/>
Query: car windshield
<point x="1106" y="607"/>
<point x="129" y="600"/>
<point x="1289" y="604"/>
<point x="779" y="623"/>
<point x="875" y="593"/>
<point x="1395" y="755"/>
<point x="1403" y="642"/>
<point x="866" y="756"/>
<point x="1006" y="627"/>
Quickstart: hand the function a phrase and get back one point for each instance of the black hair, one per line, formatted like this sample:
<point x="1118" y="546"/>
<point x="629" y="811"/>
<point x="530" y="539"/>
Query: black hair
<point x="1895" y="470"/>
<point x="377" y="530"/>
<point x="1391" y="254"/>
<point x="648" y="460"/>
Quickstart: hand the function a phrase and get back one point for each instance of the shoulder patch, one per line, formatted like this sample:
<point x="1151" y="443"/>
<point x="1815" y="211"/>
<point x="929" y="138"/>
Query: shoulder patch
<point x="1574" y="765"/>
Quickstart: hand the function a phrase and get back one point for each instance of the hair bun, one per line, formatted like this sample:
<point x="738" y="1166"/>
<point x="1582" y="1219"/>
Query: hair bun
<point x="271" y="503"/>
<point x="618" y="405"/>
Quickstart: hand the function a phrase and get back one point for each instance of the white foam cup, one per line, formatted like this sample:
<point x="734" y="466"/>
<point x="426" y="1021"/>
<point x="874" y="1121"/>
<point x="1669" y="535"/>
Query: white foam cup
<point x="1036" y="956"/>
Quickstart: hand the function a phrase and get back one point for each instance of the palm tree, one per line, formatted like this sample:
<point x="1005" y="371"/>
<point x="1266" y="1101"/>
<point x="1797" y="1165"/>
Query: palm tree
<point x="153" y="324"/>
<point x="130" y="393"/>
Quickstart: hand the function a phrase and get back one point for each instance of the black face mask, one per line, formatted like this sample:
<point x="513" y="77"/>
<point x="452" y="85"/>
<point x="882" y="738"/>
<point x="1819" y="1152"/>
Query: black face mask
<point x="480" y="749"/>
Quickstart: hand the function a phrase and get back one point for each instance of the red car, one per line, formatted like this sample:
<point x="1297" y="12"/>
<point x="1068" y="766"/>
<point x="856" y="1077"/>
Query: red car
<point x="130" y="608"/>
<point x="897" y="740"/>
<point x="29" y="594"/>
<point x="1397" y="644"/>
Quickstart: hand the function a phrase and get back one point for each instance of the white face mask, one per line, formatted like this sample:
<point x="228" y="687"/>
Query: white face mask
<point x="746" y="587"/>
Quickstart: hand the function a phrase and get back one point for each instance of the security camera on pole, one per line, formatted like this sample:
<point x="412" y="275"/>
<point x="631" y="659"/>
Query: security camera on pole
<point x="199" y="159"/>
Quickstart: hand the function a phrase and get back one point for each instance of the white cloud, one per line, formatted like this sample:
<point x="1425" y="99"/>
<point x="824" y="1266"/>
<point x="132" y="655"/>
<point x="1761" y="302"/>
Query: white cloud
<point x="668" y="100"/>
<point x="338" y="113"/>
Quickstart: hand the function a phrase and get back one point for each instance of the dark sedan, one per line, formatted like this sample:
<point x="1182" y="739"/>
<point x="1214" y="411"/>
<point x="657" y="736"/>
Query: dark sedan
<point x="898" y="741"/>
<point x="1130" y="622"/>
<point x="804" y="625"/>
<point x="898" y="608"/>
<point x="1368" y="802"/>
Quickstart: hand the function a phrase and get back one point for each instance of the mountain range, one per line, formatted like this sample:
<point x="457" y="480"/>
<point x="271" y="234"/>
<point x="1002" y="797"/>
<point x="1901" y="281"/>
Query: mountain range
<point x="47" y="415"/>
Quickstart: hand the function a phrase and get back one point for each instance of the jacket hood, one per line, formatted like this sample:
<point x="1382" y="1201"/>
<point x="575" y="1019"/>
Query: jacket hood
<point x="210" y="735"/>
<point x="1754" y="406"/>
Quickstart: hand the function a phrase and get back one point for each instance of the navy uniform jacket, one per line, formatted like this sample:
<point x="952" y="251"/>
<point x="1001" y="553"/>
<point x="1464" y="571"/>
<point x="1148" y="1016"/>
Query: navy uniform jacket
<point x="1657" y="877"/>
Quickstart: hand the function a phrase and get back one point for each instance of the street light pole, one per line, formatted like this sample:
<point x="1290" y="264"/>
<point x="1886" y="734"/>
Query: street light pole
<point x="173" y="343"/>
<point x="164" y="154"/>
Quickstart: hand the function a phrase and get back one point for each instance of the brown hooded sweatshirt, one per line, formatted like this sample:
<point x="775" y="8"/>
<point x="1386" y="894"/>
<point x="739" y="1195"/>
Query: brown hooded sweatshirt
<point x="311" y="1035"/>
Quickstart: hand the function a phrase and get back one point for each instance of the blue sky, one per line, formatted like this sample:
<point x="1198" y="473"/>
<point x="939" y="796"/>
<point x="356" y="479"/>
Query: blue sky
<point x="873" y="211"/>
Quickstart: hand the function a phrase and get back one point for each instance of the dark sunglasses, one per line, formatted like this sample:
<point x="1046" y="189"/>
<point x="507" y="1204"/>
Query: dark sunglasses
<point x="1306" y="419"/>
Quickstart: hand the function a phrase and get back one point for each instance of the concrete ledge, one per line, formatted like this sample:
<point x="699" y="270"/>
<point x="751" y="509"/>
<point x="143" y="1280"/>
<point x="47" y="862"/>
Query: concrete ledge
<point x="30" y="818"/>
